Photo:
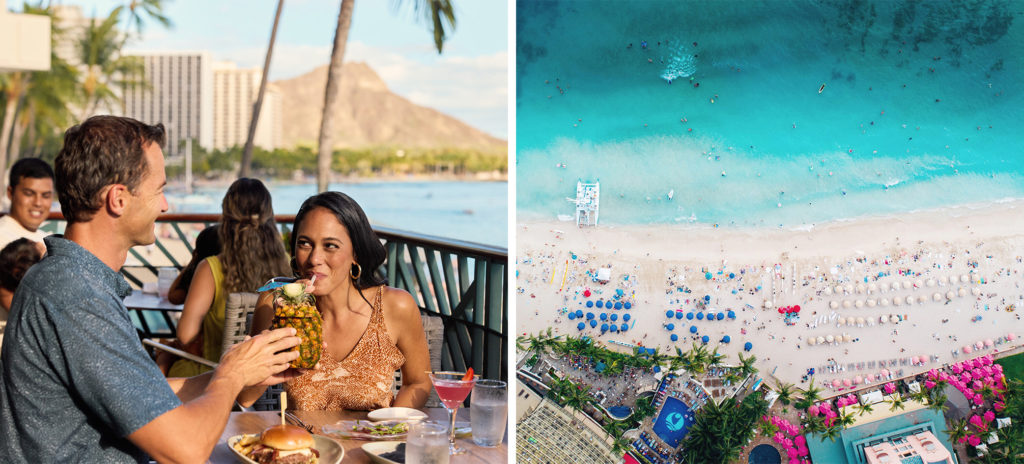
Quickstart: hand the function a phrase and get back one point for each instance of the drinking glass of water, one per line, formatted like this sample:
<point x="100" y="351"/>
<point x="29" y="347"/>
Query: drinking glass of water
<point x="427" y="444"/>
<point x="488" y="412"/>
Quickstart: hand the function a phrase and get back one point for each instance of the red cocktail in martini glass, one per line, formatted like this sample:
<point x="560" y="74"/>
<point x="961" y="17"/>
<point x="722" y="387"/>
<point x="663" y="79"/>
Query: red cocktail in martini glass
<point x="452" y="388"/>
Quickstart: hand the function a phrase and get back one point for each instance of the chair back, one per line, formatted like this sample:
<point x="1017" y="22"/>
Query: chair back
<point x="433" y="327"/>
<point x="238" y="311"/>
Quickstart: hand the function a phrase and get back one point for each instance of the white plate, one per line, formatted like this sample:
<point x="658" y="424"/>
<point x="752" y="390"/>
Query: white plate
<point x="330" y="451"/>
<point x="402" y="414"/>
<point x="375" y="450"/>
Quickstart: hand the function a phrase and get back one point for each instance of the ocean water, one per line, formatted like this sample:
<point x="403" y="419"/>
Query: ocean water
<point x="472" y="211"/>
<point x="922" y="108"/>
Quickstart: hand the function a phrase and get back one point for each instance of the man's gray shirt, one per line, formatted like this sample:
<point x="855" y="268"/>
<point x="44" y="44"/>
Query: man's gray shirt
<point x="76" y="379"/>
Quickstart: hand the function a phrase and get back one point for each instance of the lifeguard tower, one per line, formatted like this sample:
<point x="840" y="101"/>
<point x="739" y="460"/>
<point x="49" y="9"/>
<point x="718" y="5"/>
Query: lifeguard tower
<point x="588" y="202"/>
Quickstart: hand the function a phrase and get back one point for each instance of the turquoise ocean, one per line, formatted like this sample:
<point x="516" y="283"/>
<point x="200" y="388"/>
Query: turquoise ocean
<point x="471" y="211"/>
<point x="922" y="108"/>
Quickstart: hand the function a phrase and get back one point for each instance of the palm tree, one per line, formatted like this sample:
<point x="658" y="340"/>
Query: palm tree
<point x="809" y="396"/>
<point x="659" y="359"/>
<point x="440" y="12"/>
<point x="957" y="430"/>
<point x="746" y="366"/>
<point x="247" y="151"/>
<point x="896" y="402"/>
<point x="100" y="53"/>
<point x="845" y="420"/>
<point x="785" y="391"/>
<point x="831" y="432"/>
<point x="715" y="358"/>
<point x="864" y="409"/>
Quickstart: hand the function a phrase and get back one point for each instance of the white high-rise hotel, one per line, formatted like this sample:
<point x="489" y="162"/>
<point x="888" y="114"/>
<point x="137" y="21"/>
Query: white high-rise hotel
<point x="179" y="94"/>
<point x="234" y="92"/>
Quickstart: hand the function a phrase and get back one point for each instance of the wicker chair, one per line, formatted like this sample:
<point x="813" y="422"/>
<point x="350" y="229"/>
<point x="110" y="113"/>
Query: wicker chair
<point x="433" y="326"/>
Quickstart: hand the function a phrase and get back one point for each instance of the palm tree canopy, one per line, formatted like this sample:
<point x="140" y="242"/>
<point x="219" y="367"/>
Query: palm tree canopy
<point x="439" y="14"/>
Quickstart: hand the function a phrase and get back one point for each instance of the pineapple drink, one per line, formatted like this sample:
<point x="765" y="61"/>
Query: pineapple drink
<point x="293" y="307"/>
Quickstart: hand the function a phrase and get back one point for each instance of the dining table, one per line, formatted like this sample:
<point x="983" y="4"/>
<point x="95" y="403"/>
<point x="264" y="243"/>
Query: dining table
<point x="256" y="421"/>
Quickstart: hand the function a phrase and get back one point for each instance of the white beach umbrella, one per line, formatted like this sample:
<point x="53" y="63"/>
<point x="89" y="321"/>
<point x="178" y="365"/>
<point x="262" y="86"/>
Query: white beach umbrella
<point x="841" y="321"/>
<point x="811" y="340"/>
<point x="851" y="320"/>
<point x="922" y="299"/>
<point x="861" y="288"/>
<point x="976" y="291"/>
<point x="821" y="339"/>
<point x="964" y="279"/>
<point x="858" y="303"/>
<point x="883" y="319"/>
<point x="930" y="282"/>
<point x="937" y="296"/>
<point x="833" y="304"/>
<point x="846" y="303"/>
<point x="884" y="302"/>
<point x="847" y="338"/>
<point x="894" y="319"/>
<point x="872" y="287"/>
<point x="827" y="290"/>
<point x="910" y="300"/>
<point x="839" y="289"/>
<point x="918" y="283"/>
<point x="962" y="292"/>
<point x="848" y="288"/>
<point x="950" y="295"/>
<point x="871" y="303"/>
<point x="895" y="285"/>
<point x="829" y="338"/>
<point x="907" y="284"/>
<point x="897" y="301"/>
<point x="768" y="304"/>
<point x="860" y="320"/>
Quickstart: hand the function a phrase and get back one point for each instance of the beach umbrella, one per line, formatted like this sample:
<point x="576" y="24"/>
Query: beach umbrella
<point x="580" y="326"/>
<point x="811" y="340"/>
<point x="679" y="314"/>
<point x="671" y="327"/>
<point x="821" y="339"/>
<point x="861" y="288"/>
<point x="910" y="300"/>
<point x="895" y="285"/>
<point x="848" y="288"/>
<point x="833" y="304"/>
<point x="782" y="310"/>
<point x="907" y="284"/>
<point x="937" y="296"/>
<point x="767" y="304"/>
<point x="720" y="316"/>
<point x="884" y="302"/>
<point x="829" y="338"/>
<point x="572" y="316"/>
<point x="732" y="275"/>
<point x="618" y="305"/>
<point x="839" y="289"/>
<point x="847" y="382"/>
<point x="922" y="299"/>
<point x="674" y="337"/>
<point x="590" y="304"/>
<point x="930" y="282"/>
<point x="847" y="337"/>
<point x="625" y="327"/>
<point x="619" y="292"/>
<point x="604" y="328"/>
<point x="579" y="313"/>
<point x="627" y="305"/>
<point x="860" y="320"/>
<point x="689" y="316"/>
<point x="851" y="320"/>
<point x="968" y="349"/>
<point x="625" y="317"/>
<point x="835" y="383"/>
<point x="979" y="345"/>
<point x="593" y="323"/>
<point x="871" y="303"/>
<point x="748" y="346"/>
<point x="918" y="283"/>
<point x="961" y="292"/>
<point x="976" y="291"/>
<point x="700" y="316"/>
<point x="964" y="278"/>
<point x="709" y="316"/>
<point x="693" y="329"/>
<point x="726" y="339"/>
<point x="604" y="316"/>
<point x="586" y="293"/>
<point x="707" y="298"/>
<point x="614" y="328"/>
<point x="1011" y="336"/>
<point x="707" y="275"/>
<point x="669" y="314"/>
<point x="896" y="301"/>
<point x="705" y="339"/>
<point x="988" y="342"/>
<point x="600" y="304"/>
<point x="950" y="295"/>
<point x="614" y="317"/>
<point x="590" y="316"/>
<point x="827" y="290"/>
<point x="872" y="287"/>
<point x="847" y="304"/>
<point x="857" y="380"/>
<point x="732" y="315"/>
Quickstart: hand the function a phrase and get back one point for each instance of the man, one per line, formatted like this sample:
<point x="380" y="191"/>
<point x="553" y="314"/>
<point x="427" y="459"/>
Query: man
<point x="30" y="190"/>
<point x="77" y="385"/>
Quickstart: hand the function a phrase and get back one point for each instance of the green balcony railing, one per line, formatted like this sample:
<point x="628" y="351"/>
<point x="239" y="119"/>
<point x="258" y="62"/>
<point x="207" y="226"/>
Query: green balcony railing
<point x="463" y="283"/>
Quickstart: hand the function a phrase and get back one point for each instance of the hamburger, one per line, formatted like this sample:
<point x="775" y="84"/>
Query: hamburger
<point x="285" y="444"/>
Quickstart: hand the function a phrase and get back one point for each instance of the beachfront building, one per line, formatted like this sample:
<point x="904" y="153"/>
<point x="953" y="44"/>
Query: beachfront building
<point x="26" y="40"/>
<point x="913" y="435"/>
<point x="234" y="92"/>
<point x="551" y="433"/>
<point x="179" y="94"/>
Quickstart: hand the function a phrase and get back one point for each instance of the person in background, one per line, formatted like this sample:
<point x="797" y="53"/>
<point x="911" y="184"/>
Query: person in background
<point x="370" y="330"/>
<point x="15" y="259"/>
<point x="75" y="383"/>
<point x="30" y="190"/>
<point x="251" y="253"/>
<point x="207" y="244"/>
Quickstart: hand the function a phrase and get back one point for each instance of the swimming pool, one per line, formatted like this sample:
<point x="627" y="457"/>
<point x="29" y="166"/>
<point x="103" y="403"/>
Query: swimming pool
<point x="764" y="454"/>
<point x="674" y="422"/>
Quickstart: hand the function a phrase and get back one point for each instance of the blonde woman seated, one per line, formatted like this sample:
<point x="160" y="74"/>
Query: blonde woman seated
<point x="370" y="330"/>
<point x="251" y="252"/>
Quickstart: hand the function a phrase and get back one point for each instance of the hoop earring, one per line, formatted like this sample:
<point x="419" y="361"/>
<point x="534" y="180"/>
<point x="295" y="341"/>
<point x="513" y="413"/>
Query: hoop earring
<point x="358" y="271"/>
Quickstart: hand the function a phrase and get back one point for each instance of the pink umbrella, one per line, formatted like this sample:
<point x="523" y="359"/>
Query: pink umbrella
<point x="979" y="400"/>
<point x="1010" y="336"/>
<point x="976" y="362"/>
<point x="794" y="461"/>
<point x="998" y="367"/>
<point x="957" y="369"/>
<point x="835" y="383"/>
<point x="889" y="388"/>
<point x="813" y="410"/>
<point x="966" y="377"/>
<point x="987" y="360"/>
<point x="976" y="385"/>
<point x="968" y="349"/>
<point x="869" y="377"/>
<point x="990" y="416"/>
<point x="847" y="383"/>
<point x="977" y="372"/>
<point x="929" y="384"/>
<point x="857" y="380"/>
<point x="801" y="441"/>
<point x="779" y="437"/>
<point x="999" y="405"/>
<point x="979" y="345"/>
<point x="791" y="453"/>
<point x="885" y="372"/>
<point x="802" y="451"/>
<point x="973" y="440"/>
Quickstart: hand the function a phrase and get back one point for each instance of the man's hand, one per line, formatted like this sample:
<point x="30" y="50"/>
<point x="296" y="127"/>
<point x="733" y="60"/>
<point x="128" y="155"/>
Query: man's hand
<point x="263" y="359"/>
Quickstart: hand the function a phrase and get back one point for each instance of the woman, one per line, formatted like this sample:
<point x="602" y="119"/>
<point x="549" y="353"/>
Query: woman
<point x="207" y="244"/>
<point x="251" y="252"/>
<point x="369" y="329"/>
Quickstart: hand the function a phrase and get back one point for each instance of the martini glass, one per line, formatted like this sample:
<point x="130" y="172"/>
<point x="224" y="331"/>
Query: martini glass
<point x="452" y="391"/>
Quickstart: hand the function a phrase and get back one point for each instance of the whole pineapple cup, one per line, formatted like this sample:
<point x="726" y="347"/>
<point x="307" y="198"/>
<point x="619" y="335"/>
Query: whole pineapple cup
<point x="293" y="307"/>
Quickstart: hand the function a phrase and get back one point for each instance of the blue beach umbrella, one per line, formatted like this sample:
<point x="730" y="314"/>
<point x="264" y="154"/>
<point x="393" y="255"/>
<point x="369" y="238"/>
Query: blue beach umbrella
<point x="726" y="339"/>
<point x="618" y="305"/>
<point x="657" y="369"/>
<point x="668" y="314"/>
<point x="710" y="316"/>
<point x="707" y="275"/>
<point x="600" y="304"/>
<point x="707" y="298"/>
<point x="619" y="292"/>
<point x="625" y="317"/>
<point x="627" y="305"/>
<point x="624" y="327"/>
<point x="604" y="328"/>
<point x="590" y="304"/>
<point x="732" y="275"/>
<point x="614" y="328"/>
<point x="689" y="316"/>
<point x="674" y="337"/>
<point x="604" y="316"/>
<point x="590" y="316"/>
<point x="679" y="314"/>
<point x="705" y="339"/>
<point x="747" y="346"/>
<point x="720" y="316"/>
<point x="732" y="314"/>
<point x="572" y="316"/>
<point x="593" y="323"/>
<point x="671" y="327"/>
<point x="580" y="326"/>
<point x="700" y="316"/>
<point x="650" y="351"/>
<point x="614" y="317"/>
<point x="693" y="329"/>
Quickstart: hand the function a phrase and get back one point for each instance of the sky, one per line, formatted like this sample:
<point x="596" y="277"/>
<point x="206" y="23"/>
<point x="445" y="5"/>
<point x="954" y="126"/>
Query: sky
<point x="469" y="81"/>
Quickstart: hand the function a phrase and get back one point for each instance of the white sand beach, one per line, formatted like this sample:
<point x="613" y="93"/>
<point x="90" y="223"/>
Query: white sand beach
<point x="946" y="276"/>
